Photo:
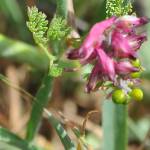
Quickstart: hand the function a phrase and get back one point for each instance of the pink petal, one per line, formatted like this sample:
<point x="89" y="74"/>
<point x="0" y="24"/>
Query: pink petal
<point x="137" y="40"/>
<point x="122" y="45"/>
<point x="94" y="77"/>
<point x="125" y="67"/>
<point x="107" y="64"/>
<point x="127" y="22"/>
<point x="95" y="35"/>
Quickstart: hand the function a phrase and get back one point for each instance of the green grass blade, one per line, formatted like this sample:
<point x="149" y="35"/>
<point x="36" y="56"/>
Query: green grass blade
<point x="14" y="14"/>
<point x="42" y="98"/>
<point x="114" y="126"/>
<point x="8" y="8"/>
<point x="13" y="140"/>
<point x="23" y="53"/>
<point x="65" y="139"/>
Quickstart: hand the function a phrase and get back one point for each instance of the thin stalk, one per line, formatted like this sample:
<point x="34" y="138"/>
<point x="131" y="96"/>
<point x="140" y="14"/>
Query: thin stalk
<point x="61" y="11"/>
<point x="49" y="55"/>
<point x="62" y="8"/>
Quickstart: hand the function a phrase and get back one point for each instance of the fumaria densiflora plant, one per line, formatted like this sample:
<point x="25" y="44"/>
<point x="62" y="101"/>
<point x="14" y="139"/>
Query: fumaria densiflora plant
<point x="111" y="48"/>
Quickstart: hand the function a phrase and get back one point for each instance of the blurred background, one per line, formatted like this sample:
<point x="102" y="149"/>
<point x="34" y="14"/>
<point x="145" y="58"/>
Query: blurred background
<point x="24" y="65"/>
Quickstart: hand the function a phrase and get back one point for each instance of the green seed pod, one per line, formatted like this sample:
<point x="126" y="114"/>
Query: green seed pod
<point x="137" y="94"/>
<point x="136" y="63"/>
<point x="119" y="96"/>
<point x="136" y="74"/>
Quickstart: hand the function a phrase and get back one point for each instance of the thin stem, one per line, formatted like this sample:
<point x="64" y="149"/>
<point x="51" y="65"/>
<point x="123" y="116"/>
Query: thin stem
<point x="49" y="55"/>
<point x="62" y="8"/>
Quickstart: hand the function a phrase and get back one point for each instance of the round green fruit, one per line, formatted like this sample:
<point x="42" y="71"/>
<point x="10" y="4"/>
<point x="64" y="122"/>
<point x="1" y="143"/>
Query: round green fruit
<point x="136" y="63"/>
<point x="119" y="96"/>
<point x="137" y="94"/>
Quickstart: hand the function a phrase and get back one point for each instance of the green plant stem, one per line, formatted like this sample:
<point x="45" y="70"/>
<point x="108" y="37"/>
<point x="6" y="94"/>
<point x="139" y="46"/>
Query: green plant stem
<point x="42" y="98"/>
<point x="61" y="8"/>
<point x="114" y="126"/>
<point x="49" y="55"/>
<point x="61" y="12"/>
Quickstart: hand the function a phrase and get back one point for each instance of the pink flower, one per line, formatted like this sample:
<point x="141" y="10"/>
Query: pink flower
<point x="125" y="45"/>
<point x="107" y="43"/>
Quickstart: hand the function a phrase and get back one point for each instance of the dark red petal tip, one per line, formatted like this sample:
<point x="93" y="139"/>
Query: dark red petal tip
<point x="144" y="20"/>
<point x="73" y="54"/>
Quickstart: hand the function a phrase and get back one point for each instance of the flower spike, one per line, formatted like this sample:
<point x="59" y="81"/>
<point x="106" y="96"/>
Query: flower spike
<point x="111" y="46"/>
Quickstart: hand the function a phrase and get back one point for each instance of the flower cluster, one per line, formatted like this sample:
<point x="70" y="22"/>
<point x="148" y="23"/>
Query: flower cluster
<point x="112" y="46"/>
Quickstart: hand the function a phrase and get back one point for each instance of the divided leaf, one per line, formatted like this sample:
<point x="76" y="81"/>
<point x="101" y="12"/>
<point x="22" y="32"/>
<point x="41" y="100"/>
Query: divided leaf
<point x="58" y="29"/>
<point x="37" y="24"/>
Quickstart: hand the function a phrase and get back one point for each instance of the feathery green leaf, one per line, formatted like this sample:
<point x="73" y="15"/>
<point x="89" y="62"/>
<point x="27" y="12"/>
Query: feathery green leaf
<point x="58" y="29"/>
<point x="37" y="24"/>
<point x="118" y="7"/>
